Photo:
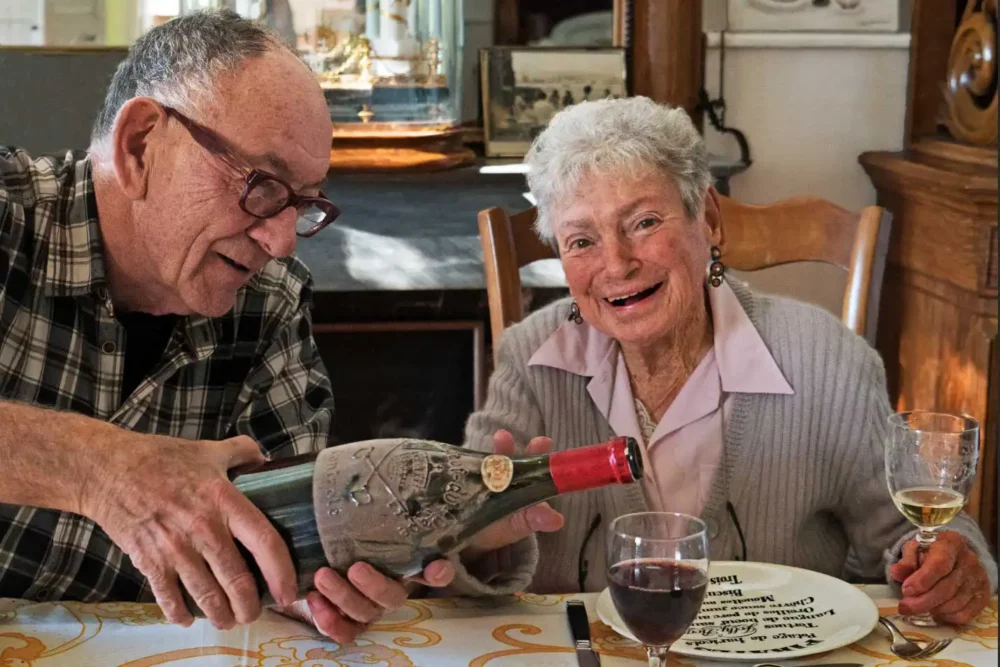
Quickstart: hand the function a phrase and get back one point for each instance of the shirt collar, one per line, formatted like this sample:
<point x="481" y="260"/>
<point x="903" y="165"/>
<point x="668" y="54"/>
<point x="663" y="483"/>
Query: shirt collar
<point x="745" y="364"/>
<point x="75" y="264"/>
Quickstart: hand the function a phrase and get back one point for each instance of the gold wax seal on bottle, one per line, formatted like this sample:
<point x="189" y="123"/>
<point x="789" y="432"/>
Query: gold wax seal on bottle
<point x="497" y="471"/>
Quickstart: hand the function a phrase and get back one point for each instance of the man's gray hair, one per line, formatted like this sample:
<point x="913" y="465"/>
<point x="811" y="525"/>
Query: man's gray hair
<point x="178" y="63"/>
<point x="615" y="137"/>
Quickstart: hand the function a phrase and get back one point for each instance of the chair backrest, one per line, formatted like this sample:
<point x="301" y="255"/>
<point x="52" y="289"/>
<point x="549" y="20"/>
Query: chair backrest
<point x="754" y="237"/>
<point x="806" y="229"/>
<point x="509" y="242"/>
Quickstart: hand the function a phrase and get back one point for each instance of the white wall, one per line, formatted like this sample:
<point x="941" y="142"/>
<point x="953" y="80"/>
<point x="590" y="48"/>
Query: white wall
<point x="807" y="112"/>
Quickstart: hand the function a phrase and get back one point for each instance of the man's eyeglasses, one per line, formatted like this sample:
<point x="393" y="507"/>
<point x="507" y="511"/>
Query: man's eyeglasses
<point x="264" y="194"/>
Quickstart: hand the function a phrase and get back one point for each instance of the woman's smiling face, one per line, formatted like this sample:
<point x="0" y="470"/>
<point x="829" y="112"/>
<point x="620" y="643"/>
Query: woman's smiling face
<point x="634" y="260"/>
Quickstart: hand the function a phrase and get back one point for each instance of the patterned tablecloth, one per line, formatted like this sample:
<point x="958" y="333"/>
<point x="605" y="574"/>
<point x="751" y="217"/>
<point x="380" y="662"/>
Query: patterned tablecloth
<point x="528" y="630"/>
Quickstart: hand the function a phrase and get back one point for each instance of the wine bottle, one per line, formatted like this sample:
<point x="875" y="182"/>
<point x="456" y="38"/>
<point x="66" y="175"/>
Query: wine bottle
<point x="400" y="503"/>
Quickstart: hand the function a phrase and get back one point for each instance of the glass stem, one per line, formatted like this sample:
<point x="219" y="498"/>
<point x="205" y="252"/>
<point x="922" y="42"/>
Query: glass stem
<point x="657" y="655"/>
<point x="925" y="538"/>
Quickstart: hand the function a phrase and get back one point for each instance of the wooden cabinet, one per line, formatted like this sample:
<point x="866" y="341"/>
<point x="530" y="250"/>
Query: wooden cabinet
<point x="938" y="314"/>
<point x="938" y="310"/>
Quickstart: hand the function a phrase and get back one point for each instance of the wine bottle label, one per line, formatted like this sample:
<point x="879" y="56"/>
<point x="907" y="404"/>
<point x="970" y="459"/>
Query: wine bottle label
<point x="390" y="502"/>
<point x="497" y="471"/>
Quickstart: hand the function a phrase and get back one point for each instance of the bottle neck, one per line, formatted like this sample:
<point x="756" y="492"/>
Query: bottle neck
<point x="612" y="462"/>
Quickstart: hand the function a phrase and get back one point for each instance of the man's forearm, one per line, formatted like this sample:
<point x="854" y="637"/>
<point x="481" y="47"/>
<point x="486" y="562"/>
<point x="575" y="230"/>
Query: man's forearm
<point x="48" y="458"/>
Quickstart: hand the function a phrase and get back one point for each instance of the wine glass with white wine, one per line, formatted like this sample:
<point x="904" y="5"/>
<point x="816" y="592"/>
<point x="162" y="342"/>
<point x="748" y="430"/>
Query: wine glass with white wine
<point x="930" y="464"/>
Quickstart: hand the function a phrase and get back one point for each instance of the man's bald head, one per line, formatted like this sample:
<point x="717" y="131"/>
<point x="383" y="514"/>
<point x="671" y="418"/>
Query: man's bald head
<point x="181" y="62"/>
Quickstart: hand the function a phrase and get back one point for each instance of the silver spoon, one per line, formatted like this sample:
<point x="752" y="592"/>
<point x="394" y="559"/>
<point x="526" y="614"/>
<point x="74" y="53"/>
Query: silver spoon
<point x="909" y="649"/>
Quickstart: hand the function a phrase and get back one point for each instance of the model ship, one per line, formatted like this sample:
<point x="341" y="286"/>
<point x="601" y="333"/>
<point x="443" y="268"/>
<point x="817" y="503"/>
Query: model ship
<point x="392" y="78"/>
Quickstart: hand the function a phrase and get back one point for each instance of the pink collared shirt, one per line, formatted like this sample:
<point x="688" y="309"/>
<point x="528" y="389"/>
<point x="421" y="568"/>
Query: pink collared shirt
<point x="684" y="451"/>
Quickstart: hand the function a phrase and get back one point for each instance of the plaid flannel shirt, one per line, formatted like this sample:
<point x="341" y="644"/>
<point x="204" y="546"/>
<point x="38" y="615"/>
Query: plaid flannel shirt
<point x="254" y="371"/>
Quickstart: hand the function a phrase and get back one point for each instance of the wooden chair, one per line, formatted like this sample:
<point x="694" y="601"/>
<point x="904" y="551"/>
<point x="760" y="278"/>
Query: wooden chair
<point x="754" y="237"/>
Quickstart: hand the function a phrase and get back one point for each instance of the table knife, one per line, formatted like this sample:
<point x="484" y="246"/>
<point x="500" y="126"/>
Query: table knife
<point x="579" y="627"/>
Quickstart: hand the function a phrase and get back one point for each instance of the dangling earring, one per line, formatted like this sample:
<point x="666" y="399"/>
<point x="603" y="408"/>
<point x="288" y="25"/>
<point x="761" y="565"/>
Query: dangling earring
<point x="716" y="269"/>
<point x="574" y="314"/>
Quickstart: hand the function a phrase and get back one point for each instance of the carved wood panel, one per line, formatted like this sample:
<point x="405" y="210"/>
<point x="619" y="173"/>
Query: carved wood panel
<point x="971" y="79"/>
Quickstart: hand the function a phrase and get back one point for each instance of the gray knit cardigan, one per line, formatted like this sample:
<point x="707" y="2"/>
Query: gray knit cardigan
<point x="801" y="477"/>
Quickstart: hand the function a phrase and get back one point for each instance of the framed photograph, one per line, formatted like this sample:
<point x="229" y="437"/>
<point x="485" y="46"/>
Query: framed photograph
<point x="523" y="87"/>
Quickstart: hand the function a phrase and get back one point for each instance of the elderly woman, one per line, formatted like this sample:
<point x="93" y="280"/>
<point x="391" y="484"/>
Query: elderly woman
<point x="763" y="416"/>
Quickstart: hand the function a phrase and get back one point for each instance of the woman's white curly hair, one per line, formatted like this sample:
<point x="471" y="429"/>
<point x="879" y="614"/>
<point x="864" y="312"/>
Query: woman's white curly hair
<point x="615" y="137"/>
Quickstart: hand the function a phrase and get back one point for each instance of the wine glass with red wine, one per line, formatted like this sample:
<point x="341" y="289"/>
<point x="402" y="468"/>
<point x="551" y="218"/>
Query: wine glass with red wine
<point x="658" y="574"/>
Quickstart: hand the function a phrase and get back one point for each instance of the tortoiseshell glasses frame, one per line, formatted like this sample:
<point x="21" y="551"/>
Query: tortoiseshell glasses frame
<point x="264" y="194"/>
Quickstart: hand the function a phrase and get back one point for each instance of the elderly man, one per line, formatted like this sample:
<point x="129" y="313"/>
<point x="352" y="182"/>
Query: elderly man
<point x="150" y="339"/>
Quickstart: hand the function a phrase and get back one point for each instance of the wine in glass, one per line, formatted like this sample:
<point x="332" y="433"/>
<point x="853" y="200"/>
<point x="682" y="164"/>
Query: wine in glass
<point x="658" y="574"/>
<point x="930" y="464"/>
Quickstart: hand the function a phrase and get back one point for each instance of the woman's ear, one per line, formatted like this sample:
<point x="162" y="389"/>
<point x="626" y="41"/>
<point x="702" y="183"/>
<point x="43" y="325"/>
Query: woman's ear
<point x="713" y="217"/>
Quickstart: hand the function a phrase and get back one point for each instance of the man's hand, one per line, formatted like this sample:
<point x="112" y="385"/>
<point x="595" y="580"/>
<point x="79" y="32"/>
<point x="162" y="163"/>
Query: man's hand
<point x="342" y="608"/>
<point x="522" y="524"/>
<point x="169" y="505"/>
<point x="950" y="583"/>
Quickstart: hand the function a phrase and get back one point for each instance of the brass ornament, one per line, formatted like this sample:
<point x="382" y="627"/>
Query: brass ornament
<point x="970" y="87"/>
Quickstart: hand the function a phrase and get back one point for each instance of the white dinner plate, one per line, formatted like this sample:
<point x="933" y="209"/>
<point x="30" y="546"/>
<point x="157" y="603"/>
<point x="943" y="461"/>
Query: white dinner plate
<point x="760" y="611"/>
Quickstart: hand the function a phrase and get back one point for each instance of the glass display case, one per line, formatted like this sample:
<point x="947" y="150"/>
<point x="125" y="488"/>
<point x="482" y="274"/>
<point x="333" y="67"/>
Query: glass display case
<point x="390" y="71"/>
<point x="388" y="65"/>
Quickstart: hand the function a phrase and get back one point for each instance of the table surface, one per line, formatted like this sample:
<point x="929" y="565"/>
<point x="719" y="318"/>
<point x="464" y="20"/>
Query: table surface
<point x="527" y="630"/>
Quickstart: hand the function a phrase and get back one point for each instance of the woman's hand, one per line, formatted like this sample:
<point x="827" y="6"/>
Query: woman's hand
<point x="950" y="583"/>
<point x="342" y="608"/>
<point x="522" y="524"/>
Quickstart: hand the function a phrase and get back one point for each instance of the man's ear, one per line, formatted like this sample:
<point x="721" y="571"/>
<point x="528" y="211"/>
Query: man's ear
<point x="713" y="217"/>
<point x="132" y="144"/>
